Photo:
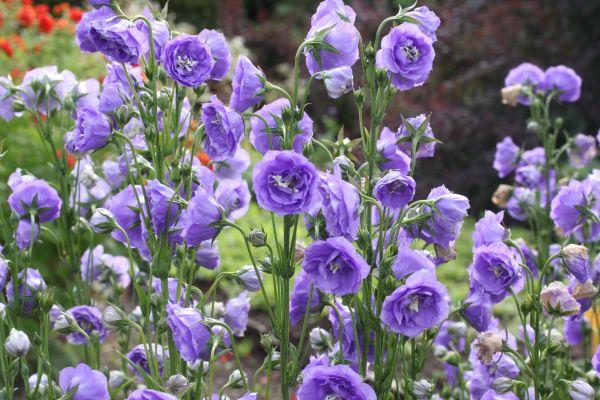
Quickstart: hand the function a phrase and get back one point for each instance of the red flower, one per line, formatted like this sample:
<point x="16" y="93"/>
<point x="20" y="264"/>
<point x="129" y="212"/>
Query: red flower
<point x="42" y="8"/>
<point x="15" y="73"/>
<point x="75" y="14"/>
<point x="45" y="23"/>
<point x="26" y="15"/>
<point x="205" y="159"/>
<point x="60" y="8"/>
<point x="5" y="46"/>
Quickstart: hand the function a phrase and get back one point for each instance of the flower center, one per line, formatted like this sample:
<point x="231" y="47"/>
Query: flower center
<point x="334" y="267"/>
<point x="411" y="53"/>
<point x="186" y="63"/>
<point x="287" y="182"/>
<point x="497" y="270"/>
<point x="414" y="303"/>
<point x="333" y="396"/>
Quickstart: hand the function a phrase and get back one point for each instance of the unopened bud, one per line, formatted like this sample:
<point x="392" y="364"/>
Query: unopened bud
<point x="257" y="237"/>
<point x="40" y="383"/>
<point x="581" y="390"/>
<point x="114" y="319"/>
<point x="102" y="221"/>
<point x="235" y="381"/>
<point x="17" y="344"/>
<point x="320" y="339"/>
<point x="116" y="378"/>
<point x="248" y="279"/>
<point x="422" y="389"/>
<point x="177" y="384"/>
<point x="502" y="385"/>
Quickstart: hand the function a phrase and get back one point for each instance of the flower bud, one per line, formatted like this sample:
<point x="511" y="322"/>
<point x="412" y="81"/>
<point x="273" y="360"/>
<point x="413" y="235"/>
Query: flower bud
<point x="487" y="344"/>
<point x="440" y="351"/>
<point x="164" y="100"/>
<point x="501" y="195"/>
<point x="533" y="126"/>
<point x="64" y="324"/>
<point x="235" y="381"/>
<point x="576" y="259"/>
<point x="114" y="319"/>
<point x="116" y="378"/>
<point x="102" y="221"/>
<point x="267" y="342"/>
<point x="422" y="389"/>
<point x="502" y="385"/>
<point x="557" y="300"/>
<point x="510" y="95"/>
<point x="320" y="339"/>
<point x="359" y="95"/>
<point x="257" y="237"/>
<point x="177" y="384"/>
<point x="338" y="81"/>
<point x="197" y="365"/>
<point x="246" y="277"/>
<point x="41" y="383"/>
<point x="123" y="114"/>
<point x="581" y="390"/>
<point x="17" y="343"/>
<point x="214" y="310"/>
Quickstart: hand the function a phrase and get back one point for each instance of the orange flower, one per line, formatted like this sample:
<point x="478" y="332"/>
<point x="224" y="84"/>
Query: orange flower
<point x="205" y="159"/>
<point x="62" y="23"/>
<point x="5" y="46"/>
<point x="60" y="8"/>
<point x="75" y="14"/>
<point x="45" y="23"/>
<point x="26" y="15"/>
<point x="42" y="8"/>
<point x="15" y="73"/>
<point x="70" y="158"/>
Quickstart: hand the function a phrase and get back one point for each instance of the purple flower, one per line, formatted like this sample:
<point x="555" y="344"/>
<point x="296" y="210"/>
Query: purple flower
<point x="99" y="3"/>
<point x="407" y="55"/>
<point x="188" y="60"/>
<point x="38" y="78"/>
<point x="577" y="261"/>
<point x="36" y="197"/>
<point x="421" y="303"/>
<point x="148" y="394"/>
<point x="116" y="88"/>
<point x="335" y="32"/>
<point x="139" y="358"/>
<point x="569" y="203"/>
<point x="447" y="216"/>
<point x="557" y="300"/>
<point x="506" y="158"/>
<point x="496" y="270"/>
<point x="427" y="21"/>
<point x="582" y="150"/>
<point x="285" y="182"/>
<point x="163" y="207"/>
<point x="340" y="203"/>
<point x="223" y="127"/>
<point x="26" y="234"/>
<point x="596" y="360"/>
<point x="4" y="271"/>
<point x="87" y="383"/>
<point x="90" y="320"/>
<point x="173" y="287"/>
<point x="574" y="330"/>
<point x="189" y="333"/>
<point x="393" y="156"/>
<point x="526" y="74"/>
<point x="115" y="37"/>
<point x="564" y="80"/>
<point x="394" y="190"/>
<point x="92" y="129"/>
<point x="236" y="313"/>
<point x="6" y="98"/>
<point x="409" y="260"/>
<point x="126" y="210"/>
<point x="336" y="381"/>
<point x="335" y="8"/>
<point x="234" y="196"/>
<point x="300" y="297"/>
<point x="424" y="149"/>
<point x="248" y="83"/>
<point x="489" y="229"/>
<point x="219" y="51"/>
<point x="334" y="266"/>
<point x="207" y="254"/>
<point x="338" y="81"/>
<point x="30" y="283"/>
<point x="479" y="310"/>
<point x="199" y="218"/>
<point x="160" y="33"/>
<point x="265" y="138"/>
<point x="519" y="202"/>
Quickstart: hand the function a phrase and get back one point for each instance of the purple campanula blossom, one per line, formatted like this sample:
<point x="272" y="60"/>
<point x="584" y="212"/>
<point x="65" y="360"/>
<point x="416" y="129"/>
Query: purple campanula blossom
<point x="89" y="320"/>
<point x="160" y="33"/>
<point x="219" y="51"/>
<point x="410" y="260"/>
<point x="520" y="200"/>
<point x="574" y="330"/>
<point x="148" y="394"/>
<point x="140" y="358"/>
<point x="425" y="149"/>
<point x="26" y="234"/>
<point x="164" y="208"/>
<point x="4" y="272"/>
<point x="336" y="32"/>
<point x="173" y="287"/>
<point x="338" y="81"/>
<point x="6" y="98"/>
<point x="248" y="84"/>
<point x="236" y="313"/>
<point x="507" y="157"/>
<point x="427" y="21"/>
<point x="394" y="190"/>
<point x="530" y="255"/>
<point x="38" y="78"/>
<point x="582" y="150"/>
<point x="223" y="127"/>
<point x="30" y="283"/>
<point x="489" y="229"/>
<point x="577" y="261"/>
<point x="393" y="157"/>
<point x="596" y="360"/>
<point x="285" y="182"/>
<point x="492" y="395"/>
<point x="407" y="55"/>
<point x="526" y="74"/>
<point x="189" y="332"/>
<point x="188" y="60"/>
<point x="336" y="8"/>
<point x="92" y="129"/>
<point x="444" y="224"/>
<point x="340" y="203"/>
<point x="116" y="87"/>
<point x="207" y="254"/>
<point x="300" y="297"/>
<point x="35" y="196"/>
<point x="419" y="304"/>
<point x="265" y="138"/>
<point x="249" y="396"/>
<point x="337" y="381"/>
<point x="87" y="383"/>
<point x="479" y="310"/>
<point x="334" y="266"/>
<point x="496" y="270"/>
<point x="557" y="300"/>
<point x="567" y="205"/>
<point x="234" y="196"/>
<point x="99" y="3"/>
<point x="348" y="343"/>
<point x="126" y="210"/>
<point x="233" y="167"/>
<point x="199" y="218"/>
<point x="563" y="79"/>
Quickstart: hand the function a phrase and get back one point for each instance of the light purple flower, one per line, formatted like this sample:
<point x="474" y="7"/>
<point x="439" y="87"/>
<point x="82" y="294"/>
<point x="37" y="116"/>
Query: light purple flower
<point x="234" y="196"/>
<point x="189" y="332"/>
<point x="340" y="203"/>
<point x="300" y="297"/>
<point x="575" y="328"/>
<point x="285" y="182"/>
<point x="92" y="129"/>
<point x="219" y="51"/>
<point x="188" y="60"/>
<point x="568" y="204"/>
<point x="26" y="234"/>
<point x="526" y="74"/>
<point x="248" y="83"/>
<point x="140" y="358"/>
<point x="199" y="218"/>
<point x="394" y="190"/>
<point x="236" y="313"/>
<point x="30" y="283"/>
<point x="126" y="210"/>
<point x="425" y="149"/>
<point x="336" y="8"/>
<point x="393" y="156"/>
<point x="233" y="167"/>
<point x="207" y="254"/>
<point x="496" y="270"/>
<point x="38" y="197"/>
<point x="116" y="89"/>
<point x="160" y="33"/>
<point x="427" y="21"/>
<point x="338" y="81"/>
<point x="223" y="127"/>
<point x="87" y="383"/>
<point x="337" y="381"/>
<point x="518" y="204"/>
<point x="582" y="150"/>
<point x="489" y="229"/>
<point x="506" y="158"/>
<point x="265" y="138"/>
<point x="6" y="98"/>
<point x="410" y="260"/>
<point x="4" y="272"/>
<point x="565" y="80"/>
<point x="596" y="360"/>
<point x="148" y="394"/>
<point x="334" y="266"/>
<point x="89" y="320"/>
<point x="479" y="310"/>
<point x="557" y="300"/>
<point x="407" y="55"/>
